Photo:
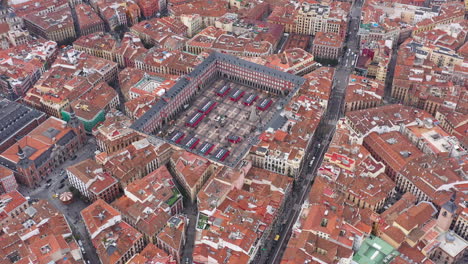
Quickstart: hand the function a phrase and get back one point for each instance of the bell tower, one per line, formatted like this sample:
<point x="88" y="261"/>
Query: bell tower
<point x="446" y="214"/>
<point x="76" y="125"/>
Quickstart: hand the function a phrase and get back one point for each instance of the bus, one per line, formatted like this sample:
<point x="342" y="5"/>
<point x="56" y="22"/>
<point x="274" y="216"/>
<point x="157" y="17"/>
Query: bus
<point x="264" y="104"/>
<point x="177" y="137"/>
<point x="221" y="154"/>
<point x="195" y="119"/>
<point x="250" y="99"/>
<point x="192" y="143"/>
<point x="207" y="107"/>
<point x="223" y="91"/>
<point x="206" y="148"/>
<point x="237" y="95"/>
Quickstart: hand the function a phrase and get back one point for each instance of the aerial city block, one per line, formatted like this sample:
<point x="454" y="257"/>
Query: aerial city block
<point x="233" y="131"/>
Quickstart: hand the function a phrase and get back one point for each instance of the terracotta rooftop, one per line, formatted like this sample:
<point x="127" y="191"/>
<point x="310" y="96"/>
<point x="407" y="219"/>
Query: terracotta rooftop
<point x="173" y="234"/>
<point x="363" y="121"/>
<point x="9" y="202"/>
<point x="130" y="161"/>
<point x="99" y="215"/>
<point x="52" y="21"/>
<point x="328" y="39"/>
<point x="96" y="101"/>
<point x="156" y="186"/>
<point x="44" y="234"/>
<point x="39" y="6"/>
<point x="416" y="216"/>
<point x="98" y="41"/>
<point x="113" y="242"/>
<point x="39" y="140"/>
<point x="159" y="29"/>
<point x="166" y="61"/>
<point x="152" y="254"/>
<point x="92" y="175"/>
<point x="116" y="126"/>
<point x="190" y="166"/>
<point x="406" y="201"/>
<point x="393" y="147"/>
<point x="217" y="8"/>
<point x="430" y="172"/>
<point x="240" y="220"/>
<point x="293" y="60"/>
<point x="66" y="80"/>
<point x="86" y="16"/>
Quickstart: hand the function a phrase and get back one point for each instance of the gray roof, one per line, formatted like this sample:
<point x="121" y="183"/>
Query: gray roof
<point x="15" y="116"/>
<point x="278" y="122"/>
<point x="140" y="122"/>
<point x="450" y="206"/>
<point x="50" y="132"/>
<point x="176" y="88"/>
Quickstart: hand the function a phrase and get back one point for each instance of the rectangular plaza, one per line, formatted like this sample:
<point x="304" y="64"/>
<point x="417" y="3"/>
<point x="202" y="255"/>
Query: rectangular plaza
<point x="220" y="109"/>
<point x="228" y="119"/>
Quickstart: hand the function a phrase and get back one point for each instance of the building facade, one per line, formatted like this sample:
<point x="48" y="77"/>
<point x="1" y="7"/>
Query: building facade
<point x="57" y="26"/>
<point x="88" y="21"/>
<point x="7" y="180"/>
<point x="47" y="146"/>
<point x="327" y="45"/>
<point x="92" y="182"/>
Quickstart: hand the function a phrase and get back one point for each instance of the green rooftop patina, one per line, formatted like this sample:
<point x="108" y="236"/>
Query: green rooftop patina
<point x="375" y="251"/>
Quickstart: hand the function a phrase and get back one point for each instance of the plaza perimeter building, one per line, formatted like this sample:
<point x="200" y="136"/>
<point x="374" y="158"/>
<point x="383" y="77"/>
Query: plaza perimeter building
<point x="270" y="82"/>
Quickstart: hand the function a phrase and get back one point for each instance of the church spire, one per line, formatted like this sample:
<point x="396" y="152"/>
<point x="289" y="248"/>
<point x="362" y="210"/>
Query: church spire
<point x="20" y="153"/>
<point x="73" y="121"/>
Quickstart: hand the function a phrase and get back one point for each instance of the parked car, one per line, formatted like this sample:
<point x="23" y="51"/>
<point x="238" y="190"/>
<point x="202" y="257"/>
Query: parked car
<point x="48" y="185"/>
<point x="62" y="180"/>
<point x="49" y="180"/>
<point x="61" y="186"/>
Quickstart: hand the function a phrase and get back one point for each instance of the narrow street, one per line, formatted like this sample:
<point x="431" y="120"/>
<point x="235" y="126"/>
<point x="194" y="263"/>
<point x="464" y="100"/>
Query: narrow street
<point x="273" y="250"/>
<point x="191" y="212"/>
<point x="70" y="211"/>
<point x="390" y="73"/>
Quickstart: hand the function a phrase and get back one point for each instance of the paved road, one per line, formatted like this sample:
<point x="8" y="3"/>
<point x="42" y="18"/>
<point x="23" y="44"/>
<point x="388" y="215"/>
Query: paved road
<point x="70" y="211"/>
<point x="190" y="210"/>
<point x="273" y="250"/>
<point x="390" y="73"/>
<point x="281" y="43"/>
